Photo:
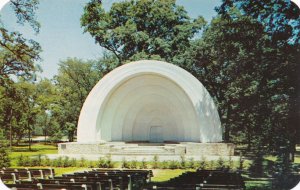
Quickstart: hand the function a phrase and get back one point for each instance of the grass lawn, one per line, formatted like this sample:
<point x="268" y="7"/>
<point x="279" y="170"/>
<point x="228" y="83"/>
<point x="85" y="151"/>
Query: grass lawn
<point x="258" y="185"/>
<point x="60" y="171"/>
<point x="36" y="149"/>
<point x="161" y="175"/>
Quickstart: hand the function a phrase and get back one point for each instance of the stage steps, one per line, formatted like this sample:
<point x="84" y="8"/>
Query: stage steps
<point x="144" y="150"/>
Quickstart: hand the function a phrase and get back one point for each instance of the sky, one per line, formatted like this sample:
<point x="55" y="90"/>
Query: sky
<point x="61" y="35"/>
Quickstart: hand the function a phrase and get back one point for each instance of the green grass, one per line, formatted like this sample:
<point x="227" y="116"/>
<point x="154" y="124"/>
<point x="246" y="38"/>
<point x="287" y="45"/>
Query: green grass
<point x="161" y="175"/>
<point x="258" y="185"/>
<point x="36" y="149"/>
<point x="60" y="171"/>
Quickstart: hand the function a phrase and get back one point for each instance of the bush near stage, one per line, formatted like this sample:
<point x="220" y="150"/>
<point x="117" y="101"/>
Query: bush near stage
<point x="106" y="162"/>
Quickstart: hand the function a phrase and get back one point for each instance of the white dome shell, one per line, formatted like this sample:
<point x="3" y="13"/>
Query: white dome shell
<point x="149" y="101"/>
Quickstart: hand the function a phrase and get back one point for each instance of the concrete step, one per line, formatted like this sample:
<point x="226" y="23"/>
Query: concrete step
<point x="148" y="150"/>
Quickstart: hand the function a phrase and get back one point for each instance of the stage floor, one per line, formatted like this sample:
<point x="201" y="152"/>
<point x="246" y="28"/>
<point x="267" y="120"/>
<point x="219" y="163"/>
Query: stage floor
<point x="147" y="150"/>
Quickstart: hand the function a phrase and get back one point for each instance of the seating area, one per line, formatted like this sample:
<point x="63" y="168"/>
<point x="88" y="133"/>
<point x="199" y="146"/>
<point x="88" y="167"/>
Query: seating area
<point x="97" y="179"/>
<point x="15" y="175"/>
<point x="118" y="179"/>
<point x="204" y="180"/>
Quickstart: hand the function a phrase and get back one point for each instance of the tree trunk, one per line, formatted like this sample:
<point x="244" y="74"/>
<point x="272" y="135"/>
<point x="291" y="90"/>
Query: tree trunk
<point x="29" y="138"/>
<point x="248" y="141"/>
<point x="227" y="130"/>
<point x="45" y="134"/>
<point x="10" y="130"/>
<point x="248" y="138"/>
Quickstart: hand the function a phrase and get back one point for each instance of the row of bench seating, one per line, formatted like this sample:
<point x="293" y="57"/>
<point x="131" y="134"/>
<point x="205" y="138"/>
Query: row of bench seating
<point x="204" y="180"/>
<point x="16" y="174"/>
<point x="97" y="179"/>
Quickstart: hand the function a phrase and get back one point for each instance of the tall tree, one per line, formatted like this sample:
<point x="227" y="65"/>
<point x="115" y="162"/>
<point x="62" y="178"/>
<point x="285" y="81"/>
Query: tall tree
<point x="74" y="81"/>
<point x="141" y="28"/>
<point x="221" y="59"/>
<point x="281" y="21"/>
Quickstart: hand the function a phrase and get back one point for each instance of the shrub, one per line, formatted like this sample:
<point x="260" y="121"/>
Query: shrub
<point x="212" y="165"/>
<point x="203" y="163"/>
<point x="33" y="162"/>
<point x="125" y="163"/>
<point x="164" y="165"/>
<point x="143" y="164"/>
<point x="230" y="163"/>
<point x="155" y="162"/>
<point x="82" y="162"/>
<point x="102" y="163"/>
<point x="133" y="164"/>
<point x="4" y="158"/>
<point x="182" y="162"/>
<point x="66" y="162"/>
<point x="220" y="163"/>
<point x="39" y="160"/>
<point x="46" y="161"/>
<point x="20" y="160"/>
<point x="174" y="164"/>
<point x="91" y="164"/>
<point x="109" y="162"/>
<point x="26" y="161"/>
<point x="58" y="162"/>
<point x="73" y="162"/>
<point x="191" y="163"/>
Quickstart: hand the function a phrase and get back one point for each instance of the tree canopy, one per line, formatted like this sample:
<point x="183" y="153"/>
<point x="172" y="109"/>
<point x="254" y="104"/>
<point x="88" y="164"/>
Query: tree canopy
<point x="141" y="29"/>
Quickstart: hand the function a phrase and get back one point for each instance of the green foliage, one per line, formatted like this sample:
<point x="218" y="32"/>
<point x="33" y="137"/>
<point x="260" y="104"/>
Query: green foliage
<point x="174" y="164"/>
<point x="256" y="167"/>
<point x="73" y="162"/>
<point x="25" y="12"/>
<point x="230" y="164"/>
<point x="182" y="161"/>
<point x="125" y="163"/>
<point x="155" y="163"/>
<point x="56" y="137"/>
<point x="234" y="59"/>
<point x="211" y="165"/>
<point x="45" y="162"/>
<point x="283" y="177"/>
<point x="164" y="165"/>
<point x="191" y="163"/>
<point x="220" y="163"/>
<point x="144" y="164"/>
<point x="66" y="162"/>
<point x="82" y="162"/>
<point x="58" y="162"/>
<point x="92" y="164"/>
<point x="135" y="29"/>
<point x="4" y="158"/>
<point x="106" y="162"/>
<point x="133" y="164"/>
<point x="26" y="161"/>
<point x="74" y="81"/>
<point x="20" y="160"/>
<point x="281" y="18"/>
<point x="203" y="163"/>
<point x="17" y="54"/>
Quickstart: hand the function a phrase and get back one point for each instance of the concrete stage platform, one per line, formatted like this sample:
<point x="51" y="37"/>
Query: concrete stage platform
<point x="141" y="150"/>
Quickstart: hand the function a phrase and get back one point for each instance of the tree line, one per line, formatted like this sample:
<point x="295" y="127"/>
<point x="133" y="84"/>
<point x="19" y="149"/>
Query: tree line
<point x="247" y="57"/>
